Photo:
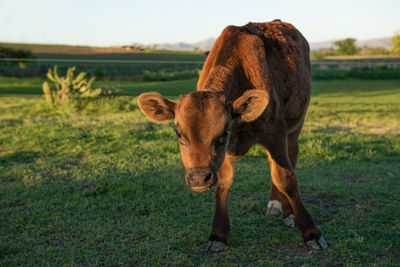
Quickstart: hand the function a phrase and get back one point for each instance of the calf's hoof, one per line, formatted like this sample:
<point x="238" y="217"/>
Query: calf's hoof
<point x="274" y="208"/>
<point x="289" y="221"/>
<point x="215" y="246"/>
<point x="317" y="244"/>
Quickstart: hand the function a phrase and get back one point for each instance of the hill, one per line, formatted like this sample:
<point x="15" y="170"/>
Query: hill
<point x="204" y="45"/>
<point x="377" y="42"/>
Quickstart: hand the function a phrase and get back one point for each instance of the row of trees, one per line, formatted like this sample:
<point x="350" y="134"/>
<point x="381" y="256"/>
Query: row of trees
<point x="348" y="47"/>
<point x="6" y="52"/>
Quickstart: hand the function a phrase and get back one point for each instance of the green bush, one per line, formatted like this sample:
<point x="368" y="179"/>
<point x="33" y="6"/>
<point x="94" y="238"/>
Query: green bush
<point x="381" y="72"/>
<point x="170" y="76"/>
<point x="68" y="90"/>
<point x="329" y="74"/>
<point x="99" y="73"/>
<point x="6" y="52"/>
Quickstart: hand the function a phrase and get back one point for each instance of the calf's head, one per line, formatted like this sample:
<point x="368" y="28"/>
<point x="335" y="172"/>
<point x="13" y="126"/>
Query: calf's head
<point x="202" y="123"/>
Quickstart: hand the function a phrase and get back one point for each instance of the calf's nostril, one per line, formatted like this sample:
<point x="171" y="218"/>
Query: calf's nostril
<point x="207" y="177"/>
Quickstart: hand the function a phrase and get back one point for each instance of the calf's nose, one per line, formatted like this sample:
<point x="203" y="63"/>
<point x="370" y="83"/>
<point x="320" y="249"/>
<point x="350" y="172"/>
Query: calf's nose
<point x="199" y="177"/>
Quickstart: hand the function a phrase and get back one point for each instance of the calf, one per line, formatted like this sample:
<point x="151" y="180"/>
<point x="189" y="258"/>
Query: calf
<point x="254" y="88"/>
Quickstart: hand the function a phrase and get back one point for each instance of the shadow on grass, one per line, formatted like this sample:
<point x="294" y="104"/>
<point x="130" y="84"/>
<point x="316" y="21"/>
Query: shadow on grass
<point x="18" y="157"/>
<point x="11" y="122"/>
<point x="125" y="218"/>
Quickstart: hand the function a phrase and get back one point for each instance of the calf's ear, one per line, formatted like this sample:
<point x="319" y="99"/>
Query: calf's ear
<point x="156" y="107"/>
<point x="251" y="104"/>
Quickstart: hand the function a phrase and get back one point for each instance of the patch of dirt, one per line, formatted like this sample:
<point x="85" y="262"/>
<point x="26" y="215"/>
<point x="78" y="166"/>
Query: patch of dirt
<point x="89" y="187"/>
<point x="328" y="262"/>
<point x="296" y="250"/>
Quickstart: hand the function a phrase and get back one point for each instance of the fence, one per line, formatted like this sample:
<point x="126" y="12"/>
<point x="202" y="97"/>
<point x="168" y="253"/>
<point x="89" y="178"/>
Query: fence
<point x="136" y="69"/>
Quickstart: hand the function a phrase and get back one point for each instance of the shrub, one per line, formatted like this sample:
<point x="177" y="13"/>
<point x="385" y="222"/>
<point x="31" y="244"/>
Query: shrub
<point x="329" y="74"/>
<point x="380" y="72"/>
<point x="170" y="76"/>
<point x="6" y="52"/>
<point x="99" y="73"/>
<point x="68" y="90"/>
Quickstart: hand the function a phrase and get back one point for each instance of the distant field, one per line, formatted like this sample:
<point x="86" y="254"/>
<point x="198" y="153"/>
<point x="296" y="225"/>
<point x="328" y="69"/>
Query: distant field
<point x="72" y="49"/>
<point x="37" y="48"/>
<point x="105" y="186"/>
<point x="105" y="62"/>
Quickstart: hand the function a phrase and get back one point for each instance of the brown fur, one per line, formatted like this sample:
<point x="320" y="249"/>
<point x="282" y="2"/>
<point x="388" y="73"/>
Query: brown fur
<point x="254" y="88"/>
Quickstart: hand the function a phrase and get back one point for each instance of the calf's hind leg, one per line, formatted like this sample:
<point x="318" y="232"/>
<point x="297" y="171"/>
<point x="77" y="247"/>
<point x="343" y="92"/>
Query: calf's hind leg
<point x="284" y="178"/>
<point x="293" y="152"/>
<point x="278" y="204"/>
<point x="274" y="204"/>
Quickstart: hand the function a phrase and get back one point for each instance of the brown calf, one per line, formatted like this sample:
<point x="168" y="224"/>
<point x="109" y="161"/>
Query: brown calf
<point x="254" y="88"/>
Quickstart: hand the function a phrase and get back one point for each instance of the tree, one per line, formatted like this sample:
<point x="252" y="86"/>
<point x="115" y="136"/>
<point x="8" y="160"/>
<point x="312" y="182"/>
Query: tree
<point x="396" y="43"/>
<point x="346" y="46"/>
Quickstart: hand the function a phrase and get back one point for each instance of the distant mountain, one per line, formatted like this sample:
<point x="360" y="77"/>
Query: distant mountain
<point x="175" y="46"/>
<point x="377" y="42"/>
<point x="321" y="45"/>
<point x="206" y="44"/>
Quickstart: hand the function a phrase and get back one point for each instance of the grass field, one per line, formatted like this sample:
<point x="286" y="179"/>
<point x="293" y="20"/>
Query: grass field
<point x="106" y="187"/>
<point x="33" y="86"/>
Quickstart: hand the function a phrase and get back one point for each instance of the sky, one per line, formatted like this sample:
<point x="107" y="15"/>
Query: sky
<point x="122" y="22"/>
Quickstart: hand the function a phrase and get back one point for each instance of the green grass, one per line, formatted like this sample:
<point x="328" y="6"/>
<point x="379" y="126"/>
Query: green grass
<point x="106" y="187"/>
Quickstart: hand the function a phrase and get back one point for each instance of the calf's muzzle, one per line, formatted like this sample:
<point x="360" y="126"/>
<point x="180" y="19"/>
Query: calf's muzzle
<point x="200" y="179"/>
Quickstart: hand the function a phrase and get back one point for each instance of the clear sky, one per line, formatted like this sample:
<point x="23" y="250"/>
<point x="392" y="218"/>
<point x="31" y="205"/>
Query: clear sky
<point x="119" y="22"/>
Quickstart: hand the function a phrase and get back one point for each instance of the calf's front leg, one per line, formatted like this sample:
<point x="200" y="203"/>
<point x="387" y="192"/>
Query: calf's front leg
<point x="220" y="230"/>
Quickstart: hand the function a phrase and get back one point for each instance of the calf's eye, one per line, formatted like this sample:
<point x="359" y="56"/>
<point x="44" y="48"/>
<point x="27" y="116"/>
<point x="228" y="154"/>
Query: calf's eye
<point x="178" y="133"/>
<point x="223" y="138"/>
